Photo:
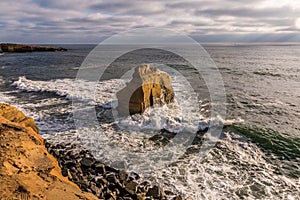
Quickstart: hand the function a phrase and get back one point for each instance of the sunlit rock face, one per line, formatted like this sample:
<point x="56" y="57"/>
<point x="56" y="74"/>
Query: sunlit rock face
<point x="14" y="115"/>
<point x="149" y="86"/>
<point x="27" y="170"/>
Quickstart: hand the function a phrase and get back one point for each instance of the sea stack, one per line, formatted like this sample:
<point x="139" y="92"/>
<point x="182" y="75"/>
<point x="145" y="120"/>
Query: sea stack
<point x="8" y="47"/>
<point x="149" y="86"/>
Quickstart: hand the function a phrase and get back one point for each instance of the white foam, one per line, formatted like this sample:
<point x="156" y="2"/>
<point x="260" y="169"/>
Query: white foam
<point x="183" y="114"/>
<point x="174" y="117"/>
<point x="4" y="98"/>
<point x="236" y="166"/>
<point x="84" y="90"/>
<point x="215" y="177"/>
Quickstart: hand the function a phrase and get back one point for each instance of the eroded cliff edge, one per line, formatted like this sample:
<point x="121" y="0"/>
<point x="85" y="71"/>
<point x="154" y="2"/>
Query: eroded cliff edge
<point x="27" y="170"/>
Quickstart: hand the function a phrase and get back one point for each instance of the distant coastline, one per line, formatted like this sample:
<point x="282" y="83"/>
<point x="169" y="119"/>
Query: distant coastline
<point x="11" y="48"/>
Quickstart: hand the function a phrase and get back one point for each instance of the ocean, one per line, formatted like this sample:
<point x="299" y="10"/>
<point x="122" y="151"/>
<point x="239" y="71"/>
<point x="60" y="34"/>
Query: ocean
<point x="257" y="155"/>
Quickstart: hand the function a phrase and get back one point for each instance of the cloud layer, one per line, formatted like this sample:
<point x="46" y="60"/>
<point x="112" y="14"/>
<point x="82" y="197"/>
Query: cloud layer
<point x="90" y="21"/>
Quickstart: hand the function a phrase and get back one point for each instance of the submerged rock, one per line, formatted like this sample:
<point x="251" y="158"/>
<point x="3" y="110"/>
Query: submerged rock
<point x="149" y="86"/>
<point x="7" y="47"/>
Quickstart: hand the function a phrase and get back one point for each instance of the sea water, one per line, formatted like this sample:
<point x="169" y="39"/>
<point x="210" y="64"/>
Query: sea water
<point x="257" y="155"/>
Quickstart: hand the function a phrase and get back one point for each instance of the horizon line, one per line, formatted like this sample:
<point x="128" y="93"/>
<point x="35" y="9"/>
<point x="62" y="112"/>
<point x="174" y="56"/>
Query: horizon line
<point x="201" y="43"/>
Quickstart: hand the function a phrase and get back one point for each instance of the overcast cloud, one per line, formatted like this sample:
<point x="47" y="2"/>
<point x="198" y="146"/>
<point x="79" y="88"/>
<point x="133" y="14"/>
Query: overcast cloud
<point x="90" y="21"/>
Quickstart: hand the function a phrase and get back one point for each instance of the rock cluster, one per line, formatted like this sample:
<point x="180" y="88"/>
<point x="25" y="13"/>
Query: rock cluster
<point x="103" y="181"/>
<point x="7" y="47"/>
<point x="27" y="170"/>
<point x="149" y="86"/>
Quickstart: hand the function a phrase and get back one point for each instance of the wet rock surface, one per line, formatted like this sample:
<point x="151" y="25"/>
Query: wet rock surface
<point x="102" y="180"/>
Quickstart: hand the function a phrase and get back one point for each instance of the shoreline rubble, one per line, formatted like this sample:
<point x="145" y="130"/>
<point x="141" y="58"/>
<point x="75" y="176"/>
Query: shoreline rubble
<point x="102" y="180"/>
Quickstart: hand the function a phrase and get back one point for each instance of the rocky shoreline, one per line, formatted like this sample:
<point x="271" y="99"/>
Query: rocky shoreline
<point x="102" y="180"/>
<point x="10" y="48"/>
<point x="31" y="168"/>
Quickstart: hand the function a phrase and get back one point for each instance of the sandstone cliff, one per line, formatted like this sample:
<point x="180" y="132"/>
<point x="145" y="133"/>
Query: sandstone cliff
<point x="27" y="170"/>
<point x="149" y="86"/>
<point x="7" y="47"/>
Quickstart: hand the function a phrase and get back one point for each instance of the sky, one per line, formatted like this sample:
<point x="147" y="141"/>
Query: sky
<point x="92" y="21"/>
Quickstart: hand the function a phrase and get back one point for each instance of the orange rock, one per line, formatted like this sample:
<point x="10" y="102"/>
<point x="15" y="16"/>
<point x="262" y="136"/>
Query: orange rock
<point x="149" y="86"/>
<point x="27" y="170"/>
<point x="14" y="115"/>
